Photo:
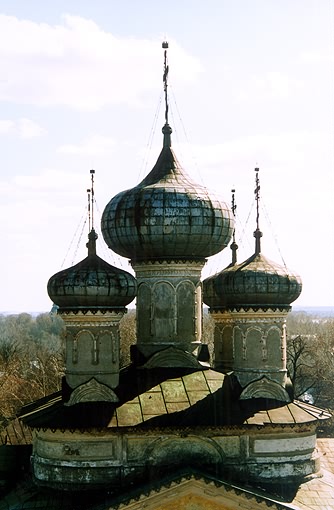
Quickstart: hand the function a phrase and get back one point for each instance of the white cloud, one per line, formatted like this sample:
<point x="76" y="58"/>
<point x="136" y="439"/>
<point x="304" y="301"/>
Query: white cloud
<point x="270" y="86"/>
<point x="317" y="57"/>
<point x="6" y="127"/>
<point x="79" y="65"/>
<point x="95" y="145"/>
<point x="24" y="128"/>
<point x="27" y="128"/>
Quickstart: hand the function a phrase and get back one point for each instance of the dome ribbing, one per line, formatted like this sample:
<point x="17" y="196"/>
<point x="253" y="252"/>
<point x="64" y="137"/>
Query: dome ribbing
<point x="92" y="284"/>
<point x="167" y="215"/>
<point x="257" y="282"/>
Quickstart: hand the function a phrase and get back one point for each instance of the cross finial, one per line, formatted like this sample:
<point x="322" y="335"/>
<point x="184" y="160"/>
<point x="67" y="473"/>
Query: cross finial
<point x="257" y="233"/>
<point x="234" y="246"/>
<point x="92" y="236"/>
<point x="165" y="78"/>
<point x="167" y="130"/>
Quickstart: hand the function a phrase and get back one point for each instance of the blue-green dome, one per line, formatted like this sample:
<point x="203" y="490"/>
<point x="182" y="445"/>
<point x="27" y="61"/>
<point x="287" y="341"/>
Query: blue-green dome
<point x="167" y="216"/>
<point x="257" y="282"/>
<point x="92" y="284"/>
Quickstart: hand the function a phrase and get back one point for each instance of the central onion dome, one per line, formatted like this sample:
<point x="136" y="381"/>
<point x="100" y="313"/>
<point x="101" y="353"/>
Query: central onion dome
<point x="92" y="284"/>
<point x="167" y="215"/>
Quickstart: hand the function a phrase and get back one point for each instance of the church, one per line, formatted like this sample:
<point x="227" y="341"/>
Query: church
<point x="176" y="428"/>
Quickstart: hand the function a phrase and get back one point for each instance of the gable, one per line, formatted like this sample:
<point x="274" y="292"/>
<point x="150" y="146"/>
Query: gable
<point x="199" y="494"/>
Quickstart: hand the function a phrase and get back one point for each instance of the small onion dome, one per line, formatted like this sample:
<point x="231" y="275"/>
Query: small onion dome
<point x="92" y="284"/>
<point x="257" y="282"/>
<point x="167" y="215"/>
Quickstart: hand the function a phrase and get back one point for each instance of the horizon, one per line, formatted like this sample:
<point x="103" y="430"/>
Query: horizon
<point x="205" y="307"/>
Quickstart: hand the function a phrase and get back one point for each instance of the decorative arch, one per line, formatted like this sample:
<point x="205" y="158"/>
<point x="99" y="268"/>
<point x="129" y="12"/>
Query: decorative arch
<point x="265" y="388"/>
<point x="92" y="391"/>
<point x="224" y="346"/>
<point x="239" y="344"/>
<point x="108" y="346"/>
<point x="186" y="311"/>
<point x="163" y="311"/>
<point x="84" y="348"/>
<point x="275" y="347"/>
<point x="144" y="311"/>
<point x="172" y="357"/>
<point x="180" y="451"/>
<point x="256" y="346"/>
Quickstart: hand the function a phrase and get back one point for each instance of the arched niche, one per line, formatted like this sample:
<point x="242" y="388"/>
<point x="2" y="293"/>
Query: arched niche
<point x="276" y="350"/>
<point x="239" y="345"/>
<point x="180" y="452"/>
<point x="108" y="347"/>
<point x="163" y="311"/>
<point x="256" y="351"/>
<point x="186" y="310"/>
<point x="84" y="349"/>
<point x="144" y="312"/>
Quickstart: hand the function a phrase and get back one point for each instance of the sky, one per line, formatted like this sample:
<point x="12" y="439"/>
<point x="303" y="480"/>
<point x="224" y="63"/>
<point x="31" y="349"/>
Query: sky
<point x="251" y="84"/>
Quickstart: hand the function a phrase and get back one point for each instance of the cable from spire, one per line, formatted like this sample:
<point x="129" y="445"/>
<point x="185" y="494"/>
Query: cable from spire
<point x="165" y="78"/>
<point x="92" y="236"/>
<point x="88" y="209"/>
<point x="234" y="246"/>
<point x="92" y="172"/>
<point x="91" y="199"/>
<point x="167" y="130"/>
<point x="257" y="234"/>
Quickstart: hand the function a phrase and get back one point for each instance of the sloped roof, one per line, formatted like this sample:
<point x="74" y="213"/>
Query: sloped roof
<point x="170" y="398"/>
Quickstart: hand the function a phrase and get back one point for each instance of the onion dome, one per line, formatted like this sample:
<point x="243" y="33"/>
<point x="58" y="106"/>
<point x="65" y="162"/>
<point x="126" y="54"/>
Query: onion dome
<point x="167" y="215"/>
<point x="257" y="282"/>
<point x="92" y="284"/>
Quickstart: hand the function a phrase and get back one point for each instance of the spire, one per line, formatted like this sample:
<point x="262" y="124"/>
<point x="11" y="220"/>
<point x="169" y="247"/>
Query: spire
<point x="91" y="245"/>
<point x="234" y="246"/>
<point x="167" y="130"/>
<point x="257" y="234"/>
<point x="92" y="236"/>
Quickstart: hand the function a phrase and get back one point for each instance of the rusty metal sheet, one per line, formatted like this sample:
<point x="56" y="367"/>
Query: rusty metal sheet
<point x="281" y="415"/>
<point x="174" y="391"/>
<point x="300" y="415"/>
<point x="195" y="381"/>
<point x="149" y="416"/>
<point x="258" y="418"/>
<point x="129" y="414"/>
<point x="152" y="403"/>
<point x="214" y="384"/>
<point x="213" y="375"/>
<point x="174" y="407"/>
<point x="195" y="396"/>
<point x="113" y="422"/>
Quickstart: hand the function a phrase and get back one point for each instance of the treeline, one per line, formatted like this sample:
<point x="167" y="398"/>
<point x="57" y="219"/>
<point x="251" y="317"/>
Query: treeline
<point x="310" y="356"/>
<point x="31" y="359"/>
<point x="32" y="356"/>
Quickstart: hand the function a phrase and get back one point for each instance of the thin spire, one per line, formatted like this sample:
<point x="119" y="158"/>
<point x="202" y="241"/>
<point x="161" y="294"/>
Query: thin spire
<point x="165" y="78"/>
<point x="167" y="130"/>
<point x="257" y="234"/>
<point x="234" y="246"/>
<point x="92" y="235"/>
<point x="89" y="212"/>
<point x="92" y="172"/>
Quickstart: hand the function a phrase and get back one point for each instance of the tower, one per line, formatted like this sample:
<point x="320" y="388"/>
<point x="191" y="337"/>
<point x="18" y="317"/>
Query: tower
<point x="92" y="296"/>
<point x="249" y="303"/>
<point x="167" y="225"/>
